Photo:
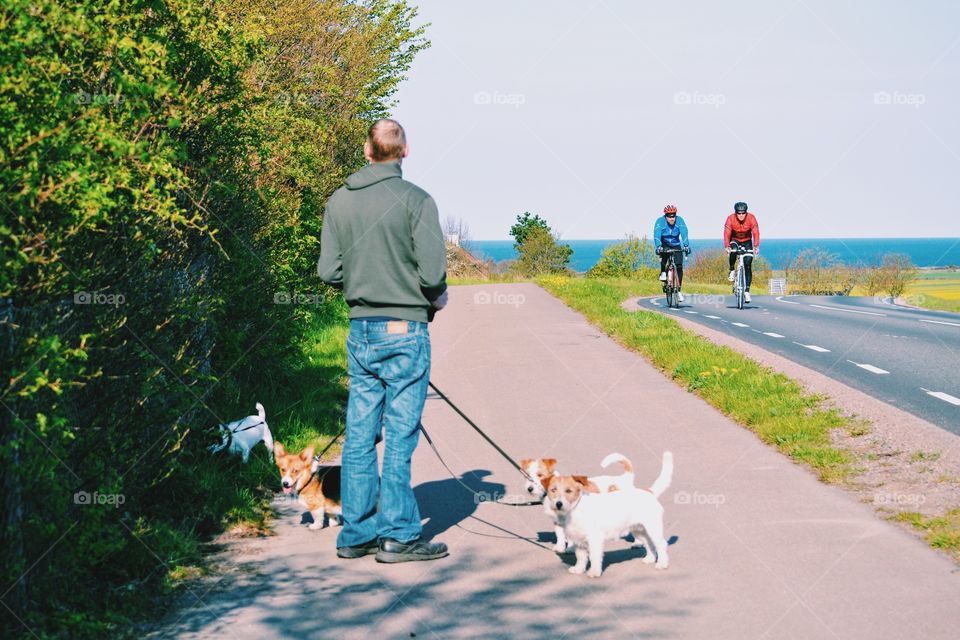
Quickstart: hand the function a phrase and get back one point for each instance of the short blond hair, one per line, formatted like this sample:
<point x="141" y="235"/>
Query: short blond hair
<point x="386" y="140"/>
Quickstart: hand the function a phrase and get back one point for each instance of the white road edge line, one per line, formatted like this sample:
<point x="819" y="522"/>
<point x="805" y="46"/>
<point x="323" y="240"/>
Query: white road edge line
<point x="940" y="395"/>
<point x="952" y="324"/>
<point x="813" y="347"/>
<point x="772" y="335"/>
<point x="870" y="368"/>
<point x="866" y="313"/>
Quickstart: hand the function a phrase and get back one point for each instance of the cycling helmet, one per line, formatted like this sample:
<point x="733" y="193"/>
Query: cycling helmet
<point x="740" y="207"/>
<point x="670" y="208"/>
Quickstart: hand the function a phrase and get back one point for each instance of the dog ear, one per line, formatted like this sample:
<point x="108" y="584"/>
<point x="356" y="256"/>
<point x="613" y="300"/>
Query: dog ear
<point x="278" y="450"/>
<point x="587" y="485"/>
<point x="547" y="481"/>
<point x="549" y="463"/>
<point x="525" y="462"/>
<point x="307" y="454"/>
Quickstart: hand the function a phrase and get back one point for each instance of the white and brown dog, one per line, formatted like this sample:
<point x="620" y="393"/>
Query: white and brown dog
<point x="540" y="471"/>
<point x="590" y="517"/>
<point x="316" y="487"/>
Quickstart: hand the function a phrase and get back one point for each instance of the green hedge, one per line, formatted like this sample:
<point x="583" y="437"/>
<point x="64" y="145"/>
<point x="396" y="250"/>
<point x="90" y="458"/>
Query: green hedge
<point x="164" y="167"/>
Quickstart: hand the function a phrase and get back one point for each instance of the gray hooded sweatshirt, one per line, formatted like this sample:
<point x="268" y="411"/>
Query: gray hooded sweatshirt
<point x="381" y="243"/>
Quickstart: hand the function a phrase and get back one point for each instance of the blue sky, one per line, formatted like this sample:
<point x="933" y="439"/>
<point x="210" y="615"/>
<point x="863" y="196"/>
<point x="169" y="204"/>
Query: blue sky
<point x="830" y="119"/>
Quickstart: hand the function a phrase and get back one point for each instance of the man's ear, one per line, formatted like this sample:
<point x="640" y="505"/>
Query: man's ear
<point x="367" y="151"/>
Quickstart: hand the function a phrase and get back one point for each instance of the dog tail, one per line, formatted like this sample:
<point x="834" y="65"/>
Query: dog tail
<point x="260" y="412"/>
<point x="665" y="477"/>
<point x="617" y="457"/>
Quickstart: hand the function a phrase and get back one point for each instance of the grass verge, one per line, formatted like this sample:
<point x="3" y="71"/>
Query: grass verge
<point x="778" y="410"/>
<point x="941" y="532"/>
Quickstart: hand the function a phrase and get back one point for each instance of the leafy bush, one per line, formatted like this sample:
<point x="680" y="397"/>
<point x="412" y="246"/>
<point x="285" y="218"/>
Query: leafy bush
<point x="712" y="266"/>
<point x="818" y="272"/>
<point x="630" y="258"/>
<point x="164" y="167"/>
<point x="892" y="277"/>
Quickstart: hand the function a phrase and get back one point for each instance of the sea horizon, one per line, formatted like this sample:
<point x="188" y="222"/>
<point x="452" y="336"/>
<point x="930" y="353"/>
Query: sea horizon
<point x="779" y="252"/>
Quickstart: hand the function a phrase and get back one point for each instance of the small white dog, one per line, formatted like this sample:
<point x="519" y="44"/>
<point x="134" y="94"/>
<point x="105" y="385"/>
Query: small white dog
<point x="244" y="434"/>
<point x="590" y="517"/>
<point x="540" y="470"/>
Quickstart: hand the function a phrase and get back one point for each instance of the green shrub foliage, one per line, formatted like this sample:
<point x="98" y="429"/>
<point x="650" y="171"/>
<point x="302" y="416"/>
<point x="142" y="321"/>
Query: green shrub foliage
<point x="164" y="168"/>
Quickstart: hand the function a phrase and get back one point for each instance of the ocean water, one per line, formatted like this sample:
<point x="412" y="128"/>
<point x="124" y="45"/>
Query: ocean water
<point x="923" y="252"/>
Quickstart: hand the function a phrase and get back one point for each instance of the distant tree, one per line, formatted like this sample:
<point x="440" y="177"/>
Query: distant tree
<point x="818" y="272"/>
<point x="892" y="277"/>
<point x="541" y="253"/>
<point x="711" y="266"/>
<point x="457" y="227"/>
<point x="526" y="223"/>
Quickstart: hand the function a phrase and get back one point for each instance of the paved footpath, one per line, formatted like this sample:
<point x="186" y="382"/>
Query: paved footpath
<point x="760" y="548"/>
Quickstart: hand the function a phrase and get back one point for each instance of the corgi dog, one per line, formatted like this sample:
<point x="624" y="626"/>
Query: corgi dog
<point x="540" y="470"/>
<point x="243" y="435"/>
<point x="318" y="491"/>
<point x="590" y="517"/>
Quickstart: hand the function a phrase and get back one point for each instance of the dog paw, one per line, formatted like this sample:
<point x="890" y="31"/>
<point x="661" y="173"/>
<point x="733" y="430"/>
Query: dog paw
<point x="661" y="565"/>
<point x="315" y="526"/>
<point x="649" y="558"/>
<point x="593" y="573"/>
<point x="576" y="570"/>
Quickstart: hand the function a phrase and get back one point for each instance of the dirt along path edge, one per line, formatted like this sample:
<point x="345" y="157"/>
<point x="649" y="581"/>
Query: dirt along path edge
<point x="904" y="464"/>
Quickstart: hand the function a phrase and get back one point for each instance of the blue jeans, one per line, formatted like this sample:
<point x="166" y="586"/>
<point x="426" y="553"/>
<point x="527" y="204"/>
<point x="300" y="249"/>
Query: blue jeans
<point x="389" y="376"/>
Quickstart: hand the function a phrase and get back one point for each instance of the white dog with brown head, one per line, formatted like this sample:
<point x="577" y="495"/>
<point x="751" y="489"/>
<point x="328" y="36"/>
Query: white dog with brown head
<point x="590" y="517"/>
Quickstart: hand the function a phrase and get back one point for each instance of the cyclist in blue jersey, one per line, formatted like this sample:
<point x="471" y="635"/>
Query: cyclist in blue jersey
<point x="670" y="232"/>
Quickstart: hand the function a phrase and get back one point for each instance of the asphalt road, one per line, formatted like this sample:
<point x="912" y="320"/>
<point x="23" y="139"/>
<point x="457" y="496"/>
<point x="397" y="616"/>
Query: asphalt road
<point x="903" y="356"/>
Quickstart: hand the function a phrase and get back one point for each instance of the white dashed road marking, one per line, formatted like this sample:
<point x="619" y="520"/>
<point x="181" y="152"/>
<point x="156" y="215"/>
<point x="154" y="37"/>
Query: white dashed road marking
<point x="688" y="311"/>
<point x="772" y="335"/>
<point x="952" y="324"/>
<point x="712" y="317"/>
<point x="740" y="324"/>
<point x="940" y="395"/>
<point x="866" y="313"/>
<point x="813" y="347"/>
<point x="869" y="367"/>
<point x="780" y="298"/>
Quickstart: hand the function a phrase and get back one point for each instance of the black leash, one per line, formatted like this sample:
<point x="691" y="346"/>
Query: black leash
<point x="480" y="431"/>
<point x="478" y="496"/>
<point x="319" y="457"/>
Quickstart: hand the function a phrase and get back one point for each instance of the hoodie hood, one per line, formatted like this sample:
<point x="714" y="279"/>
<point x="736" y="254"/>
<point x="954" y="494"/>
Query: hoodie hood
<point x="372" y="174"/>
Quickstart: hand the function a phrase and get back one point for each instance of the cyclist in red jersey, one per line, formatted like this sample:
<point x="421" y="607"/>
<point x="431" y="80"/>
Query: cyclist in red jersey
<point x="742" y="229"/>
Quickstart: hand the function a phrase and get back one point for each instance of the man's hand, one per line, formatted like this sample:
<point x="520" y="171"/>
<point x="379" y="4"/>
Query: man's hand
<point x="440" y="302"/>
<point x="756" y="251"/>
<point x="686" y="251"/>
<point x="659" y="250"/>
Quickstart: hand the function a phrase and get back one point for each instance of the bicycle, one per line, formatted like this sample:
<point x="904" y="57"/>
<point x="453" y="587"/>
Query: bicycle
<point x="671" y="286"/>
<point x="740" y="274"/>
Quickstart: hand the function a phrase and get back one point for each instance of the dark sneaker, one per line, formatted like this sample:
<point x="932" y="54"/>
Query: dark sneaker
<point x="359" y="550"/>
<point x="394" y="551"/>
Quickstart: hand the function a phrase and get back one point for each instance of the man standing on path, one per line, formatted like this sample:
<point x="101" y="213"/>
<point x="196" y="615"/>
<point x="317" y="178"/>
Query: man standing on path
<point x="381" y="243"/>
